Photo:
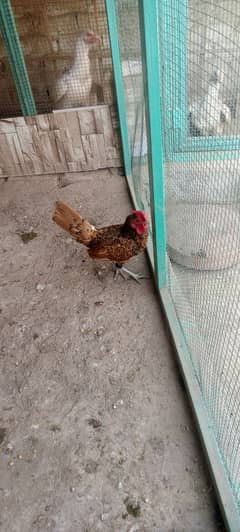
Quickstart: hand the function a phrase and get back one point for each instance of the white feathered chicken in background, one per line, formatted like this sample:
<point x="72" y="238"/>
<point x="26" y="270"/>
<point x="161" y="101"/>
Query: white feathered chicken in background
<point x="209" y="115"/>
<point x="74" y="87"/>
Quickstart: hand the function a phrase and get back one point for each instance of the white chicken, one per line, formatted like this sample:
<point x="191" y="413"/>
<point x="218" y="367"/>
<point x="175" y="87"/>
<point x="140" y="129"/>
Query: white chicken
<point x="74" y="87"/>
<point x="208" y="116"/>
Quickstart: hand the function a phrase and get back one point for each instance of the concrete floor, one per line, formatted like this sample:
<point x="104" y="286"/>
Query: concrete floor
<point x="95" y="428"/>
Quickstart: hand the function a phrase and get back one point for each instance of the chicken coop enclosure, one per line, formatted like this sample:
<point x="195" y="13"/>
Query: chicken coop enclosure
<point x="176" y="67"/>
<point x="172" y="68"/>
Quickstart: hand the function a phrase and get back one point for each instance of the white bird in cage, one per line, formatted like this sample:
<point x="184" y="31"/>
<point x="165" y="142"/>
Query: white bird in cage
<point x="209" y="115"/>
<point x="74" y="87"/>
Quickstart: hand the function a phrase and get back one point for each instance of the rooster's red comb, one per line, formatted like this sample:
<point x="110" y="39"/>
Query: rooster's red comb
<point x="142" y="215"/>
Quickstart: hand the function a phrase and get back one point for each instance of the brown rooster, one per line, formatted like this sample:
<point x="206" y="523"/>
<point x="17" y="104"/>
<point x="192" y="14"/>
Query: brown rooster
<point x="115" y="243"/>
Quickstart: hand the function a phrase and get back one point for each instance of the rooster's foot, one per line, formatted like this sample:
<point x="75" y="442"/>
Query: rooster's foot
<point x="118" y="271"/>
<point x="122" y="271"/>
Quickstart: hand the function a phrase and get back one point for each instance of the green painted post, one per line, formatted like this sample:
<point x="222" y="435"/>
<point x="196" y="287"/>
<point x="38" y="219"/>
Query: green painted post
<point x="16" y="59"/>
<point x="148" y="16"/>
<point x="113" y="32"/>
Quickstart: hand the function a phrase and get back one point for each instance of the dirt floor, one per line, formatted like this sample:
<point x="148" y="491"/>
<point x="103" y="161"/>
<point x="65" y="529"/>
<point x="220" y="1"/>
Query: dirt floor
<point x="95" y="428"/>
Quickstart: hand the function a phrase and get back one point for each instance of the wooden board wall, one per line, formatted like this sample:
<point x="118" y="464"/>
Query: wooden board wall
<point x="65" y="141"/>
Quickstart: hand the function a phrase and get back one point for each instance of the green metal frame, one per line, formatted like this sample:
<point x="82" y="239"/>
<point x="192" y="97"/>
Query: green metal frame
<point x="154" y="125"/>
<point x="148" y="13"/>
<point x="174" y="15"/>
<point x="16" y="59"/>
<point x="173" y="42"/>
<point x="148" y="17"/>
<point x="119" y="84"/>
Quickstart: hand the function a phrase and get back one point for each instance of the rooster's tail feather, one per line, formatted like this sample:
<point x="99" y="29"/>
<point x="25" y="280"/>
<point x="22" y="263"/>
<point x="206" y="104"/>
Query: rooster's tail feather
<point x="71" y="221"/>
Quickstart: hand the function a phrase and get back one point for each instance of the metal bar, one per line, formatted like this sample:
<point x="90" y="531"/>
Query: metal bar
<point x="211" y="143"/>
<point x="165" y="14"/>
<point x="195" y="156"/>
<point x="179" y="17"/>
<point x="148" y="16"/>
<point x="113" y="32"/>
<point x="16" y="58"/>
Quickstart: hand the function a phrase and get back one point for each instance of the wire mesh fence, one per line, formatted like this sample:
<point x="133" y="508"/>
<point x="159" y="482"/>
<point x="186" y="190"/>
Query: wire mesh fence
<point x="213" y="67"/>
<point x="200" y="54"/>
<point x="203" y="222"/>
<point x="67" y="53"/>
<point x="9" y="102"/>
<point x="131" y="63"/>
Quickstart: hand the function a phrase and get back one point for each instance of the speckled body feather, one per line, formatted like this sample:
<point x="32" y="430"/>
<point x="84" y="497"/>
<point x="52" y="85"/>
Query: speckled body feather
<point x="117" y="244"/>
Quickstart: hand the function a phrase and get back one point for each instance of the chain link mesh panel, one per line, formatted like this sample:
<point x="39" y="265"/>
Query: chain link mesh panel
<point x="67" y="53"/>
<point x="201" y="46"/>
<point x="200" y="52"/>
<point x="131" y="62"/>
<point x="15" y="57"/>
<point x="9" y="102"/>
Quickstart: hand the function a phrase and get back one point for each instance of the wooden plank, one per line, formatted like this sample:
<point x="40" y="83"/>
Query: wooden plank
<point x="66" y="141"/>
<point x="55" y="143"/>
<point x="16" y="153"/>
<point x="52" y="121"/>
<point x="56" y="156"/>
<point x="58" y="120"/>
<point x="89" y="155"/>
<point x="69" y="135"/>
<point x="86" y="121"/>
<point x="42" y="122"/>
<point x="33" y="162"/>
<point x="19" y="121"/>
<point x="97" y="113"/>
<point x="7" y="126"/>
<point x="61" y="164"/>
<point x="111" y="153"/>
<point x="42" y="147"/>
<point x="76" y="139"/>
<point x="107" y="126"/>
<point x="6" y="162"/>
<point x="97" y="145"/>
<point x="114" y="163"/>
<point x="55" y="151"/>
<point x="74" y="167"/>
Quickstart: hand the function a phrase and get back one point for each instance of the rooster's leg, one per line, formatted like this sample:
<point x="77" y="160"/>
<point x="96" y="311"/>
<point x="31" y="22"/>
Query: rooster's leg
<point x="120" y="269"/>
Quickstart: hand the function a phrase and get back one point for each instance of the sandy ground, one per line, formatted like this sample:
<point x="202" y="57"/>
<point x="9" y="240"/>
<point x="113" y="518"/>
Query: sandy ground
<point x="95" y="429"/>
